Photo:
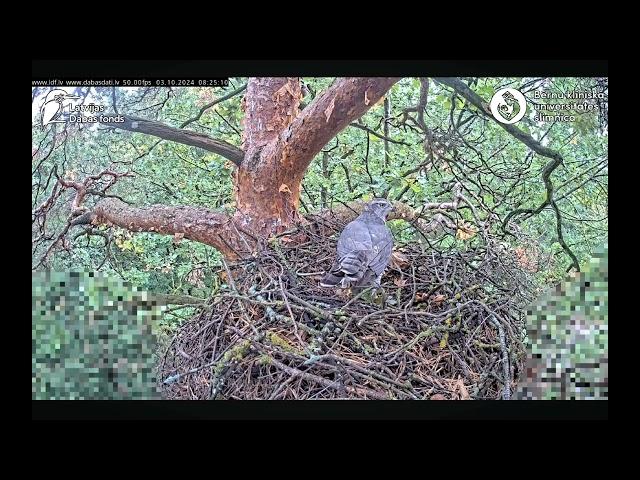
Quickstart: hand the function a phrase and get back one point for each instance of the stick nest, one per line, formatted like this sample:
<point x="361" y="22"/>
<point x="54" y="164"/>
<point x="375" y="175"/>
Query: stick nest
<point x="452" y="326"/>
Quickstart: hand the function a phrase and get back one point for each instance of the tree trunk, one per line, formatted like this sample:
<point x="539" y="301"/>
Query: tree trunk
<point x="279" y="142"/>
<point x="267" y="191"/>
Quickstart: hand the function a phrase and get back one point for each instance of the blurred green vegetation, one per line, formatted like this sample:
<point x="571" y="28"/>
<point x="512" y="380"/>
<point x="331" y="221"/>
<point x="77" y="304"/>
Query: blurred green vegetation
<point x="568" y="337"/>
<point x="93" y="338"/>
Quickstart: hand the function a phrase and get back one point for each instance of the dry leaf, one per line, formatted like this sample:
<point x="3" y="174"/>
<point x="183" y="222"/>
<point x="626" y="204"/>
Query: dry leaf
<point x="366" y="97"/>
<point x="195" y="277"/>
<point x="284" y="188"/>
<point x="329" y="110"/>
<point x="400" y="282"/>
<point x="205" y="96"/>
<point x="464" y="393"/>
<point x="525" y="261"/>
<point x="399" y="260"/>
<point x="437" y="396"/>
<point x="466" y="231"/>
<point x="343" y="293"/>
<point x="421" y="297"/>
<point x="438" y="299"/>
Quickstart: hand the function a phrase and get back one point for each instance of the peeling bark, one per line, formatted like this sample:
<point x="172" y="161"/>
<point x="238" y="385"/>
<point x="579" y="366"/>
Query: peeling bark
<point x="268" y="182"/>
<point x="193" y="223"/>
<point x="266" y="196"/>
<point x="279" y="143"/>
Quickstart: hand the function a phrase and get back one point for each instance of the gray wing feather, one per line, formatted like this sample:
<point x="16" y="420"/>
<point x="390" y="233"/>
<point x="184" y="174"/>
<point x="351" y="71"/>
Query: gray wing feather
<point x="355" y="236"/>
<point x="382" y="241"/>
<point x="373" y="239"/>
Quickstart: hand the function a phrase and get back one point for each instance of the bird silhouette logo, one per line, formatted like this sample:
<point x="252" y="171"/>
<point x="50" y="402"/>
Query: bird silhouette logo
<point x="54" y="104"/>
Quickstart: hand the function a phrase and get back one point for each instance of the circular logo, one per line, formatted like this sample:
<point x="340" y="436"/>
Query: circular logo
<point x="508" y="105"/>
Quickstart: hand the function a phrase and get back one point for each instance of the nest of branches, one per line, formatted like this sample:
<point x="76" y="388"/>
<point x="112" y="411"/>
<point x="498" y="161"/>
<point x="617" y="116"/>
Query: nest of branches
<point x="451" y="326"/>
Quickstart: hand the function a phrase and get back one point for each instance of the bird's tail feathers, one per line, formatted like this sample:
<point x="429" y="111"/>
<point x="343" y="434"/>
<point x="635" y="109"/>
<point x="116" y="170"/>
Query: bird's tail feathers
<point x="346" y="272"/>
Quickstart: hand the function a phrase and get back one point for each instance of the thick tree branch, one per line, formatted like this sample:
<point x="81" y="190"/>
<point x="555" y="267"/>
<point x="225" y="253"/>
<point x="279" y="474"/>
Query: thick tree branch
<point x="280" y="142"/>
<point x="187" y="137"/>
<point x="402" y="211"/>
<point x="270" y="105"/>
<point x="193" y="223"/>
<point x="326" y="116"/>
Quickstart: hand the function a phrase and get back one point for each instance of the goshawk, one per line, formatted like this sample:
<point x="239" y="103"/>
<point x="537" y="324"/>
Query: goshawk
<point x="364" y="249"/>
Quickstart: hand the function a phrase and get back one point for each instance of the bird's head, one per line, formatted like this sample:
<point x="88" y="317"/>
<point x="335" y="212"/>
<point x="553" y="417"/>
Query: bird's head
<point x="380" y="207"/>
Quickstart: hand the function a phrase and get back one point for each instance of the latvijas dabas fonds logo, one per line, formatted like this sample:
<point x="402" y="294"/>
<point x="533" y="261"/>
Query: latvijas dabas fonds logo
<point x="54" y="105"/>
<point x="59" y="107"/>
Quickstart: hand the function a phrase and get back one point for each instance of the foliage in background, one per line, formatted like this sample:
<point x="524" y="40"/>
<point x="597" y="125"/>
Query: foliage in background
<point x="418" y="162"/>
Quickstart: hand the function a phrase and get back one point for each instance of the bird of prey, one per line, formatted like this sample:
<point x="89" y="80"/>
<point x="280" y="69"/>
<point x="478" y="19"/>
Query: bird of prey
<point x="364" y="249"/>
<point x="54" y="104"/>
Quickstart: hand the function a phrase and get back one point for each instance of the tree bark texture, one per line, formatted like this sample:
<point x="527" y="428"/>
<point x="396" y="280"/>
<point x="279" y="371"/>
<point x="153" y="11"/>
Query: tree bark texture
<point x="279" y="142"/>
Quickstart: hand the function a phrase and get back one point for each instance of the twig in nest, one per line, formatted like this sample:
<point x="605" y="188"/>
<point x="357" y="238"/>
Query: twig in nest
<point x="266" y="337"/>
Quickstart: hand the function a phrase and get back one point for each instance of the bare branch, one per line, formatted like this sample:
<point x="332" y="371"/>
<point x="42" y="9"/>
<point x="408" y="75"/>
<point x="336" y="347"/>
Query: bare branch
<point x="187" y="137"/>
<point x="376" y="134"/>
<point x="556" y="160"/>
<point x="215" y="102"/>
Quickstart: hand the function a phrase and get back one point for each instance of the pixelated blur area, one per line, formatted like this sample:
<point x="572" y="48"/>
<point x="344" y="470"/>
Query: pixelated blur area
<point x="92" y="338"/>
<point x="567" y="334"/>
